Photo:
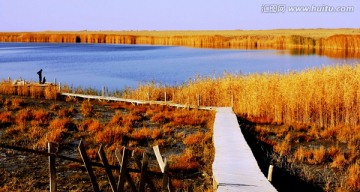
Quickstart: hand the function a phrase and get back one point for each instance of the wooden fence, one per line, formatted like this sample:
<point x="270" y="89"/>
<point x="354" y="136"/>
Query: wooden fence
<point x="123" y="158"/>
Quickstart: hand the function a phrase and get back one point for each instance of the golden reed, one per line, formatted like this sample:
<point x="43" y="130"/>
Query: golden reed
<point x="329" y="42"/>
<point x="325" y="97"/>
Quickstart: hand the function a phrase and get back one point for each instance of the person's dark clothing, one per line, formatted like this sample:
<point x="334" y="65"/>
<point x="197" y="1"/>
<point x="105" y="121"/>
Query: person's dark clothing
<point x="40" y="75"/>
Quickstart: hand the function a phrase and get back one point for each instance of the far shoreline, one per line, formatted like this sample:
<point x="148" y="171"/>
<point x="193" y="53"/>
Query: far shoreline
<point x="339" y="43"/>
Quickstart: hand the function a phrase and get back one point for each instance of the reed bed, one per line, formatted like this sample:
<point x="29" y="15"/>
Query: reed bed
<point x="309" y="118"/>
<point x="322" y="97"/>
<point x="33" y="90"/>
<point x="323" y="41"/>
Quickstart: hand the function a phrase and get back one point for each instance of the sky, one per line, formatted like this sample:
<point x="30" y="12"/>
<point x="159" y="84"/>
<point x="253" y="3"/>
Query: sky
<point x="96" y="15"/>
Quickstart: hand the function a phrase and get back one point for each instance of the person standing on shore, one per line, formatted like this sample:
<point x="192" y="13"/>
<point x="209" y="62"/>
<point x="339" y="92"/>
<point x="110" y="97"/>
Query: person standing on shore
<point x="40" y="75"/>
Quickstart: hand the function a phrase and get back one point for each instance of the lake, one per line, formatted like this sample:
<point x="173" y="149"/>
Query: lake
<point x="118" y="66"/>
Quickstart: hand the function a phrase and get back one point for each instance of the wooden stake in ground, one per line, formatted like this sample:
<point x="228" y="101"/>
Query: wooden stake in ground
<point x="52" y="149"/>
<point x="88" y="167"/>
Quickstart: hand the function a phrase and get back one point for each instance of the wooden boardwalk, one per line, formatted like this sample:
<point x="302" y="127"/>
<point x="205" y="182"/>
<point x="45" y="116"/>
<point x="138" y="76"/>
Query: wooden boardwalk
<point x="136" y="102"/>
<point x="234" y="167"/>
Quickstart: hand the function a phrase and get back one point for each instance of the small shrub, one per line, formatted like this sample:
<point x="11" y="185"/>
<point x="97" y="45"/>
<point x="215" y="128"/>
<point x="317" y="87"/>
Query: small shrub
<point x="141" y="134"/>
<point x="117" y="118"/>
<point x="333" y="151"/>
<point x="92" y="125"/>
<point x="66" y="112"/>
<point x="87" y="109"/>
<point x="63" y="124"/>
<point x="92" y="153"/>
<point x="17" y="103"/>
<point x="5" y="118"/>
<point x="318" y="156"/>
<point x="36" y="132"/>
<point x="301" y="154"/>
<point x="41" y="116"/>
<point x="283" y="148"/>
<point x="193" y="139"/>
<point x="23" y="116"/>
<point x="185" y="161"/>
<point x="339" y="161"/>
<point x="159" y="118"/>
<point x="167" y="129"/>
<point x="111" y="135"/>
<point x="131" y="119"/>
<point x="156" y="134"/>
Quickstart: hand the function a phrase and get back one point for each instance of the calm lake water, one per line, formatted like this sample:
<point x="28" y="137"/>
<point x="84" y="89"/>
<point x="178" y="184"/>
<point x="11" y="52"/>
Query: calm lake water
<point x="120" y="66"/>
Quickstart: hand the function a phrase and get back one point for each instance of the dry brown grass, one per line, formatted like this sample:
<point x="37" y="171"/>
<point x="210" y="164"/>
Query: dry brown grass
<point x="23" y="116"/>
<point x="55" y="132"/>
<point x="196" y="138"/>
<point x="339" y="161"/>
<point x="142" y="133"/>
<point x="111" y="135"/>
<point x="34" y="90"/>
<point x="36" y="122"/>
<point x="67" y="112"/>
<point x="92" y="125"/>
<point x="185" y="161"/>
<point x="353" y="177"/>
<point x="5" y="118"/>
<point x="41" y="116"/>
<point x="324" y="97"/>
<point x="86" y="109"/>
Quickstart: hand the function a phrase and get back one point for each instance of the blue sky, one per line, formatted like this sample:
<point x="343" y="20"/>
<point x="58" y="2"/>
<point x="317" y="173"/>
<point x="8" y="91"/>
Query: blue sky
<point x="74" y="15"/>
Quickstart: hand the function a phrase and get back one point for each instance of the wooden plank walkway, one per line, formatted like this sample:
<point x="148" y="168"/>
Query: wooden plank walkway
<point x="235" y="167"/>
<point x="136" y="102"/>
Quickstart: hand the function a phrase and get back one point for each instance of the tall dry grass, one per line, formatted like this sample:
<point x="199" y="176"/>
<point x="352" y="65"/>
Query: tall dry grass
<point x="48" y="91"/>
<point x="323" y="97"/>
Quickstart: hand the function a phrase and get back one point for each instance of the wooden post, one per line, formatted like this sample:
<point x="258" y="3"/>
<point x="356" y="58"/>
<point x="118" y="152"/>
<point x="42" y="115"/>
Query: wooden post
<point x="150" y="184"/>
<point x="122" y="176"/>
<point x="52" y="149"/>
<point x="166" y="178"/>
<point x="88" y="167"/>
<point x="103" y="91"/>
<point x="128" y="177"/>
<point x="59" y="87"/>
<point x="108" y="171"/>
<point x="164" y="167"/>
<point x="143" y="172"/>
<point x="165" y="97"/>
<point x="271" y="168"/>
<point x="159" y="158"/>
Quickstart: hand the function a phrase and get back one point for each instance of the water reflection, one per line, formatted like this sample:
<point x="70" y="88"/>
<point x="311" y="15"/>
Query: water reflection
<point x="331" y="53"/>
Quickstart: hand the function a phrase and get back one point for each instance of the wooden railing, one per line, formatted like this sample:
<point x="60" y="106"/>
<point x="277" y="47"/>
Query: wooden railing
<point x="123" y="157"/>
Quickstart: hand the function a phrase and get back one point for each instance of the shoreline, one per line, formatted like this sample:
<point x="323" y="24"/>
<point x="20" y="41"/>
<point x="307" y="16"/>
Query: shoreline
<point x="337" y="43"/>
